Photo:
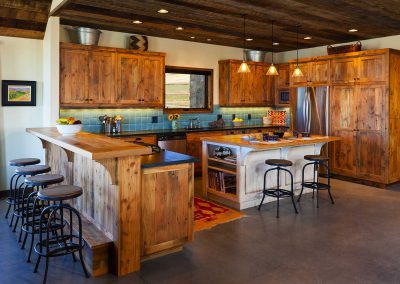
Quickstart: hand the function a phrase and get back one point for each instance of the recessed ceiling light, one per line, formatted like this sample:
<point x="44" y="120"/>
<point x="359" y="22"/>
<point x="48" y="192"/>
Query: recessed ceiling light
<point x="249" y="39"/>
<point x="209" y="39"/>
<point x="192" y="37"/>
<point x="179" y="28"/>
<point x="276" y="43"/>
<point x="308" y="37"/>
<point x="353" y="30"/>
<point x="137" y="22"/>
<point x="162" y="11"/>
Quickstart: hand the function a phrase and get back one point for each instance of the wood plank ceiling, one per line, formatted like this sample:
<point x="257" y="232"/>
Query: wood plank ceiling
<point x="24" y="18"/>
<point x="221" y="21"/>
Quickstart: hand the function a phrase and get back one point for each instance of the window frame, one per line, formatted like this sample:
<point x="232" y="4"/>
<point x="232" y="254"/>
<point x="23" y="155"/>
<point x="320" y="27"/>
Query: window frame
<point x="209" y="89"/>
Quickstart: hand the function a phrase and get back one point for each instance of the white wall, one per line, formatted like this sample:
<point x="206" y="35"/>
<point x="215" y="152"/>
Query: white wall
<point x="179" y="53"/>
<point x="376" y="43"/>
<point x="20" y="59"/>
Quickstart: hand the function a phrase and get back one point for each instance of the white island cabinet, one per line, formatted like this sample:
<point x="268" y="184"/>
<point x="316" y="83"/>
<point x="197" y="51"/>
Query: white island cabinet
<point x="237" y="180"/>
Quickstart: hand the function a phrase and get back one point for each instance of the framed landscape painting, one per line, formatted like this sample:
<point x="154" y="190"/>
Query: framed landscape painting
<point x="18" y="93"/>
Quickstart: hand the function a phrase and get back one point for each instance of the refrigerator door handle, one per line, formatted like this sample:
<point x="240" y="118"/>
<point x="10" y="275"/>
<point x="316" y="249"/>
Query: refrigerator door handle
<point x="307" y="111"/>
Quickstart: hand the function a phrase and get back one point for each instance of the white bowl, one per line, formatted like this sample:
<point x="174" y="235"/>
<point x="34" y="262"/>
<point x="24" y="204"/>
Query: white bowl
<point x="238" y="123"/>
<point x="69" y="129"/>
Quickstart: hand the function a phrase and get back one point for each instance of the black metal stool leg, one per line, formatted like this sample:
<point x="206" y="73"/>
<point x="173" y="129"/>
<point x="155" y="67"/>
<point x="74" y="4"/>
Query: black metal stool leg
<point x="329" y="181"/>
<point x="35" y="270"/>
<point x="277" y="199"/>
<point x="316" y="167"/>
<point x="302" y="183"/>
<point x="292" y="195"/>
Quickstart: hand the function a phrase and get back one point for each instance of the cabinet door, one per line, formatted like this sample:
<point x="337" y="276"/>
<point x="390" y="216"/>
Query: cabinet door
<point x="167" y="208"/>
<point x="371" y="128"/>
<point x="282" y="80"/>
<point x="238" y="86"/>
<point x="262" y="89"/>
<point x="153" y="79"/>
<point x="74" y="77"/>
<point x="129" y="79"/>
<point x="372" y="69"/>
<point x="343" y="125"/>
<point x="343" y="71"/>
<point x="318" y="74"/>
<point x="101" y="78"/>
<point x="303" y="80"/>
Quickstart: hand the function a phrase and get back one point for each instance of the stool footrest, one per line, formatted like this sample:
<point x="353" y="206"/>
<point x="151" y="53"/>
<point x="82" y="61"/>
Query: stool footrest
<point x="316" y="185"/>
<point x="277" y="192"/>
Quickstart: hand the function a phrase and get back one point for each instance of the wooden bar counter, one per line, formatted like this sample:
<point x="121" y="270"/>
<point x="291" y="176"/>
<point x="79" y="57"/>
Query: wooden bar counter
<point x="109" y="171"/>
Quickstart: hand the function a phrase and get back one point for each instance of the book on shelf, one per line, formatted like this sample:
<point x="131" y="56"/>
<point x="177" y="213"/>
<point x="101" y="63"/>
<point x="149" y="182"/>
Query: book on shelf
<point x="221" y="181"/>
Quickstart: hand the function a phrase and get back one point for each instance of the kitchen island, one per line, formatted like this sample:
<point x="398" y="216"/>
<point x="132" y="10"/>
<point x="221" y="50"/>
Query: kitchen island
<point x="237" y="181"/>
<point x="135" y="205"/>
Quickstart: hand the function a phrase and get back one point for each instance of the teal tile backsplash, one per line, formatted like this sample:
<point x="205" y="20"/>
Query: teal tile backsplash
<point x="141" y="119"/>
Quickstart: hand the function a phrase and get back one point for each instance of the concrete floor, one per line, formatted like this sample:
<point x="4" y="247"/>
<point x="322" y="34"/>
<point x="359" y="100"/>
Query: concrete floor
<point x="357" y="240"/>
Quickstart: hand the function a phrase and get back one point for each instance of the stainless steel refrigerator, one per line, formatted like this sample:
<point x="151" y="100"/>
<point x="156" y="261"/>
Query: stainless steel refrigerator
<point x="312" y="107"/>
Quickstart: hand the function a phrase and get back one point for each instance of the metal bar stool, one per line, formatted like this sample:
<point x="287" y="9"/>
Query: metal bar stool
<point x="66" y="242"/>
<point x="278" y="192"/>
<point x="15" y="178"/>
<point x="317" y="161"/>
<point x="31" y="207"/>
<point x="21" y="193"/>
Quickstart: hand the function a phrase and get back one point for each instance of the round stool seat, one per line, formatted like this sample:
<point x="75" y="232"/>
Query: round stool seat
<point x="60" y="192"/>
<point x="45" y="179"/>
<point x="24" y="162"/>
<point x="278" y="162"/>
<point x="316" y="158"/>
<point x="33" y="170"/>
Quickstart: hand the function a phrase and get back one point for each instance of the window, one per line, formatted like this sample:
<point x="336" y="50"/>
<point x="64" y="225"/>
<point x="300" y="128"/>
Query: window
<point x="188" y="89"/>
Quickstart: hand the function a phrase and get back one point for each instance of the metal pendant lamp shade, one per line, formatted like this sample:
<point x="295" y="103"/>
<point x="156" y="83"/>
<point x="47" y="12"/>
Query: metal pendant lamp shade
<point x="297" y="71"/>
<point x="272" y="71"/>
<point x="244" y="68"/>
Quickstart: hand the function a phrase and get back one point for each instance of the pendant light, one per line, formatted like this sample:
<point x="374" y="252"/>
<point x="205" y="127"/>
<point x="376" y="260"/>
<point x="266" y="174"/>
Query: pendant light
<point x="244" y="68"/>
<point x="297" y="71"/>
<point x="272" y="69"/>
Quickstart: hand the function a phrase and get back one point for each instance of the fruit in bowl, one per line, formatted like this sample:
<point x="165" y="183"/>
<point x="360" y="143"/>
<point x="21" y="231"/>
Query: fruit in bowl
<point x="68" y="126"/>
<point x="237" y="121"/>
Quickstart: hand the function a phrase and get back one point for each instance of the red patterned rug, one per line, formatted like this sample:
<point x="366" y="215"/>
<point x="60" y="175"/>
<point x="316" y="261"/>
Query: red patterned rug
<point x="208" y="214"/>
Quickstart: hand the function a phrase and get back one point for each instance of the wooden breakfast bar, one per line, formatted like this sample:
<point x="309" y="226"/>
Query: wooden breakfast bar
<point x="127" y="216"/>
<point x="238" y="181"/>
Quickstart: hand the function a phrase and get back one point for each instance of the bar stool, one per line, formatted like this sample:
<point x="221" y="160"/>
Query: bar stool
<point x="31" y="207"/>
<point x="63" y="243"/>
<point x="15" y="178"/>
<point x="317" y="161"/>
<point x="20" y="191"/>
<point x="279" y="165"/>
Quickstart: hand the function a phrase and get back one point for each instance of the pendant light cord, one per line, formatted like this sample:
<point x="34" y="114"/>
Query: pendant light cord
<point x="273" y="42"/>
<point x="244" y="35"/>
<point x="297" y="52"/>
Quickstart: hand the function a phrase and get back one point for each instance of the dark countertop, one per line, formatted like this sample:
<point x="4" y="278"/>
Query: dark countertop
<point x="165" y="158"/>
<point x="184" y="130"/>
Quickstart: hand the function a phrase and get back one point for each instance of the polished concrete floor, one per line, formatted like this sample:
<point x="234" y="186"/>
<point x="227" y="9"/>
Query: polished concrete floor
<point x="357" y="240"/>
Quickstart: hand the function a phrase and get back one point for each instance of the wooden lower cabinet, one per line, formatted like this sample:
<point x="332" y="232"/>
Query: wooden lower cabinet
<point x="151" y="139"/>
<point x="167" y="208"/>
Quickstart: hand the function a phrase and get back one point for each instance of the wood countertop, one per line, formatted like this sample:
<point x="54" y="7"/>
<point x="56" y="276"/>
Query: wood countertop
<point x="90" y="145"/>
<point x="237" y="140"/>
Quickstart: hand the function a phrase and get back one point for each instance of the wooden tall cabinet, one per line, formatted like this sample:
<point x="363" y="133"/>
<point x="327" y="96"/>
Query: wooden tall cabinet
<point x="364" y="98"/>
<point x="245" y="89"/>
<point x="92" y="76"/>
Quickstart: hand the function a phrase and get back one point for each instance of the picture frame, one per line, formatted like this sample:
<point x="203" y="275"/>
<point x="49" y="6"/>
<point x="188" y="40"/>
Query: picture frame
<point x="18" y="93"/>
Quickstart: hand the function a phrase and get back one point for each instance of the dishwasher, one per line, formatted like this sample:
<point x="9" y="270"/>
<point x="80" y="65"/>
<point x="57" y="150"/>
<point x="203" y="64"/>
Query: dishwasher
<point x="175" y="142"/>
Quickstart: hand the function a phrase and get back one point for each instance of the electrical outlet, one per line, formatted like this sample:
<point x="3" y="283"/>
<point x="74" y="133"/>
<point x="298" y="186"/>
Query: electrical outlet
<point x="154" y="119"/>
<point x="249" y="116"/>
<point x="219" y="116"/>
<point x="233" y="116"/>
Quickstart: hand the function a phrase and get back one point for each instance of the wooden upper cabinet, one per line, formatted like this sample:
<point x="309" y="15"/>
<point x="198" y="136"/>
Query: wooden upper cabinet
<point x="283" y="79"/>
<point x="153" y="79"/>
<point x="318" y="72"/>
<point x="101" y="77"/>
<point x="129" y="79"/>
<point x="92" y="76"/>
<point x="300" y="81"/>
<point x="74" y="77"/>
<point x="344" y="70"/>
<point x="372" y="69"/>
<point x="245" y="89"/>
